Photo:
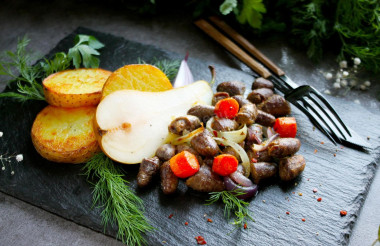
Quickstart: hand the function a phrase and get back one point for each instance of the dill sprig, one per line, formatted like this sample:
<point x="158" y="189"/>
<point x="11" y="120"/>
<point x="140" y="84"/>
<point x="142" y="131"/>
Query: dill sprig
<point x="232" y="204"/>
<point x="169" y="67"/>
<point x="21" y="61"/>
<point x="119" y="203"/>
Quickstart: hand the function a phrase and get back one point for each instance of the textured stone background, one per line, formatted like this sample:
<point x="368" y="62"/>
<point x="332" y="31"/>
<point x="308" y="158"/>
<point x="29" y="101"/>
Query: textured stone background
<point x="46" y="24"/>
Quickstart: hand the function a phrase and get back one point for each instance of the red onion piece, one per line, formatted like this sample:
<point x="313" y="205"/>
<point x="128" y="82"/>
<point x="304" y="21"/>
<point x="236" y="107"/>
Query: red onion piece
<point x="270" y="132"/>
<point x="250" y="191"/>
<point x="240" y="179"/>
<point x="264" y="146"/>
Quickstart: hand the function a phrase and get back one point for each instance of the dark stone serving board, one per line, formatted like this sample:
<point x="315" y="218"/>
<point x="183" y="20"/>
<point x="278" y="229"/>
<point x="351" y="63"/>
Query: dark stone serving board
<point x="342" y="181"/>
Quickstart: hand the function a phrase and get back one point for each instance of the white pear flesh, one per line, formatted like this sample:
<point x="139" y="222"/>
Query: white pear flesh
<point x="133" y="124"/>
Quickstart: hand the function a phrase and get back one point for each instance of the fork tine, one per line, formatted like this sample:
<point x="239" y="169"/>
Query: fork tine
<point x="328" y="105"/>
<point x="328" y="115"/>
<point x="314" y="121"/>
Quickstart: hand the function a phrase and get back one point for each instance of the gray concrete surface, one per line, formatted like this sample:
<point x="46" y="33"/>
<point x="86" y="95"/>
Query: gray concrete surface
<point x="48" y="22"/>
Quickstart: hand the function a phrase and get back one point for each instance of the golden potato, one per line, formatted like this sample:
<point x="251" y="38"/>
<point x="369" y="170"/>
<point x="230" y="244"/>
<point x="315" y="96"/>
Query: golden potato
<point x="142" y="77"/>
<point x="75" y="88"/>
<point x="65" y="134"/>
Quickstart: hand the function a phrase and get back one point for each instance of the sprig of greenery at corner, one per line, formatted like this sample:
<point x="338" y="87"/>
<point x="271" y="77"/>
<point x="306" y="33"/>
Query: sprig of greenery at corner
<point x="18" y="66"/>
<point x="118" y="202"/>
<point x="169" y="67"/>
<point x="232" y="205"/>
<point x="378" y="238"/>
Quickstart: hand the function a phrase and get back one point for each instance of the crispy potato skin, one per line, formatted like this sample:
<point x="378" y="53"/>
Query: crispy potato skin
<point x="75" y="88"/>
<point x="65" y="135"/>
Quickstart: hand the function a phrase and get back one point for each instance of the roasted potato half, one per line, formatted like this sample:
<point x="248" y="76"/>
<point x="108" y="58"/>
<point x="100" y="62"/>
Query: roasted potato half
<point x="65" y="134"/>
<point x="75" y="88"/>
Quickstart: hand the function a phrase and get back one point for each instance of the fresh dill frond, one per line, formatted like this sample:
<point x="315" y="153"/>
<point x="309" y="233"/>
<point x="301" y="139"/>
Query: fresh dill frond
<point x="169" y="67"/>
<point x="119" y="203"/>
<point x="59" y="62"/>
<point x="232" y="205"/>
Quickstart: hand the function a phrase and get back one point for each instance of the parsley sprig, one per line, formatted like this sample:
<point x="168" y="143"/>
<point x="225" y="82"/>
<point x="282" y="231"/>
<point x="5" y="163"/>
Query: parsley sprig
<point x="85" y="51"/>
<point x="232" y="205"/>
<point x="118" y="202"/>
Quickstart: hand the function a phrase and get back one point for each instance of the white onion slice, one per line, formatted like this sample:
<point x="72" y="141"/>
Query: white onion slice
<point x="236" y="136"/>
<point x="243" y="155"/>
<point x="187" y="138"/>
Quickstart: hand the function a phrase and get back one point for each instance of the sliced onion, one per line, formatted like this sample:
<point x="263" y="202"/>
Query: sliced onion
<point x="250" y="191"/>
<point x="270" y="132"/>
<point x="187" y="138"/>
<point x="236" y="136"/>
<point x="265" y="144"/>
<point x="240" y="179"/>
<point x="238" y="149"/>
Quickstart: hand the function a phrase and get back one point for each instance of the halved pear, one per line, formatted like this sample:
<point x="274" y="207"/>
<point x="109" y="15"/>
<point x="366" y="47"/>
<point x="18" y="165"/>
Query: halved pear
<point x="132" y="124"/>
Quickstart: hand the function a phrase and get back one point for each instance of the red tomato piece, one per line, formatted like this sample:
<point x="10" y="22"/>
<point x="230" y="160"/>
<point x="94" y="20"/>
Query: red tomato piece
<point x="286" y="127"/>
<point x="225" y="164"/>
<point x="227" y="108"/>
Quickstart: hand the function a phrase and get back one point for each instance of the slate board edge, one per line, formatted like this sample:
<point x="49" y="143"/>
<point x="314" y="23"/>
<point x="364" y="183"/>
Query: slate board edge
<point x="372" y="167"/>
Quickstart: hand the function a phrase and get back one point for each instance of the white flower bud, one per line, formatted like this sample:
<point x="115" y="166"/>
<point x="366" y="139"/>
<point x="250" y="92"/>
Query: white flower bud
<point x="357" y="61"/>
<point x="343" y="64"/>
<point x="343" y="83"/>
<point x="363" y="87"/>
<point x="336" y="85"/>
<point x="367" y="83"/>
<point x="327" y="92"/>
<point x="19" y="157"/>
<point x="328" y="76"/>
<point x="345" y="73"/>
<point x="357" y="101"/>
<point x="1" y="134"/>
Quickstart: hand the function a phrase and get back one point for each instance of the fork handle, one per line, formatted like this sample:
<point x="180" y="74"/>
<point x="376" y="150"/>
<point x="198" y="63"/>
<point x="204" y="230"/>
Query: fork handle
<point x="232" y="47"/>
<point x="246" y="45"/>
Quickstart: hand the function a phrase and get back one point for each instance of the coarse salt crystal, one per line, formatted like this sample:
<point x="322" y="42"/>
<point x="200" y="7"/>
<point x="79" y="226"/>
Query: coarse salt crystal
<point x="357" y="101"/>
<point x="19" y="157"/>
<point x="1" y="134"/>
<point x="357" y="61"/>
<point x="353" y="82"/>
<point x="367" y="83"/>
<point x="328" y="76"/>
<point x="336" y="85"/>
<point x="345" y="73"/>
<point x="363" y="87"/>
<point x="343" y="83"/>
<point x="327" y="92"/>
<point x="343" y="64"/>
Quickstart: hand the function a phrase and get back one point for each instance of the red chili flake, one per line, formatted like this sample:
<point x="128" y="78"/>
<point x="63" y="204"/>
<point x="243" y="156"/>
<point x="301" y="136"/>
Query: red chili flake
<point x="315" y="151"/>
<point x="334" y="155"/>
<point x="319" y="199"/>
<point x="308" y="179"/>
<point x="342" y="147"/>
<point x="322" y="142"/>
<point x="343" y="212"/>
<point x="215" y="133"/>
<point x="254" y="160"/>
<point x="303" y="219"/>
<point x="170" y="216"/>
<point x="287" y="212"/>
<point x="245" y="225"/>
<point x="293" y="192"/>
<point x="200" y="240"/>
<point x="315" y="190"/>
<point x="186" y="223"/>
<point x="209" y="220"/>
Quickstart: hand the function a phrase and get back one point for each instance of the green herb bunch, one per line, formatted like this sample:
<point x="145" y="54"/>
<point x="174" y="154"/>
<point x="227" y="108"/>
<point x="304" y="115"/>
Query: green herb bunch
<point x="19" y="68"/>
<point x="118" y="202"/>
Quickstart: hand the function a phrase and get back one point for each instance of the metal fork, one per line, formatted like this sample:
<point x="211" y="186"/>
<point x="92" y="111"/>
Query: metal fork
<point x="311" y="102"/>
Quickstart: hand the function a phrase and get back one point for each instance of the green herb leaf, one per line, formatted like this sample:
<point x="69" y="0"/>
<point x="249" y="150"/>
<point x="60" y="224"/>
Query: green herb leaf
<point x="168" y="67"/>
<point x="232" y="205"/>
<point x="59" y="62"/>
<point x="119" y="203"/>
<point x="251" y="12"/>
<point x="227" y="6"/>
<point x="85" y="50"/>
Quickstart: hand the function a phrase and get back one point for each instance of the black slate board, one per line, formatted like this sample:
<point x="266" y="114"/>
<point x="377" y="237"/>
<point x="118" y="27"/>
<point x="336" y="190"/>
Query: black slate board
<point x="342" y="181"/>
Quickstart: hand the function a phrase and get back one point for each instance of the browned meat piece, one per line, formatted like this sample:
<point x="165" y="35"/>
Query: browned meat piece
<point x="241" y="100"/>
<point x="203" y="112"/>
<point x="254" y="134"/>
<point x="275" y="105"/>
<point x="247" y="114"/>
<point x="208" y="161"/>
<point x="205" y="180"/>
<point x="291" y="167"/>
<point x="231" y="151"/>
<point x="259" y="95"/>
<point x="204" y="144"/>
<point x="148" y="168"/>
<point x="219" y="96"/>
<point x="264" y="118"/>
<point x="262" y="170"/>
<point x="259" y="156"/>
<point x="232" y="87"/>
<point x="183" y="147"/>
<point x="262" y="83"/>
<point x="165" y="152"/>
<point x="186" y="123"/>
<point x="284" y="147"/>
<point x="169" y="181"/>
<point x="224" y="124"/>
